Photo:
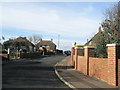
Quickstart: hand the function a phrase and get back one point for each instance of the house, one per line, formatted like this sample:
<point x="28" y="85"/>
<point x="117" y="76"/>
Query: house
<point x="0" y="47"/>
<point x="47" y="44"/>
<point x="93" y="40"/>
<point x="20" y="43"/>
<point x="101" y="33"/>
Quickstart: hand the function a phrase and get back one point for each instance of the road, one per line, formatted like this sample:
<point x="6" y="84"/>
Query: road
<point x="37" y="73"/>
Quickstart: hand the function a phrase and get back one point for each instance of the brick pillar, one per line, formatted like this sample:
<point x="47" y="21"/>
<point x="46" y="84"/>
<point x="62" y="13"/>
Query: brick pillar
<point x="112" y="64"/>
<point x="78" y="52"/>
<point x="88" y="52"/>
<point x="76" y="57"/>
<point x="72" y="54"/>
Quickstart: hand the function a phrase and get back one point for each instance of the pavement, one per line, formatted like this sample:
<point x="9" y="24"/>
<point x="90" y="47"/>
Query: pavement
<point x="76" y="79"/>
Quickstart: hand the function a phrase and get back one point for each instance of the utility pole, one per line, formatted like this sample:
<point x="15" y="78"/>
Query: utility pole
<point x="58" y="40"/>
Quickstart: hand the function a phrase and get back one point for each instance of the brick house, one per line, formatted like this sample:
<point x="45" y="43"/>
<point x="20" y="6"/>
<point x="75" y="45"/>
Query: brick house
<point x="47" y="44"/>
<point x="20" y="43"/>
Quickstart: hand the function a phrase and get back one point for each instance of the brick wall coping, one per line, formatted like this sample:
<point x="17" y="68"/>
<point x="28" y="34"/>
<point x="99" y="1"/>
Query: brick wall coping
<point x="78" y="48"/>
<point x="114" y="44"/>
<point x="89" y="47"/>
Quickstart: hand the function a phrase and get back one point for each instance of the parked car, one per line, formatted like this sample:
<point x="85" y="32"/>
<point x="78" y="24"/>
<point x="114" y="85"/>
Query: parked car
<point x="68" y="52"/>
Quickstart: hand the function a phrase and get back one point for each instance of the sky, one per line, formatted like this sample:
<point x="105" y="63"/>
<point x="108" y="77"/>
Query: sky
<point x="72" y="21"/>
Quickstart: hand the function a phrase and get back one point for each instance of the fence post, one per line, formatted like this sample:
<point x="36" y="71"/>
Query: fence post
<point x="112" y="64"/>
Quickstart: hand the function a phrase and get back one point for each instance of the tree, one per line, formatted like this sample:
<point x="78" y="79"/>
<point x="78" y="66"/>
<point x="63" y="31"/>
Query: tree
<point x="111" y="25"/>
<point x="111" y="30"/>
<point x="34" y="39"/>
<point x="101" y="45"/>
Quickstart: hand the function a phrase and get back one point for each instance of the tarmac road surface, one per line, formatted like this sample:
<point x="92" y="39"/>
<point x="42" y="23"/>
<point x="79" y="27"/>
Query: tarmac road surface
<point x="37" y="73"/>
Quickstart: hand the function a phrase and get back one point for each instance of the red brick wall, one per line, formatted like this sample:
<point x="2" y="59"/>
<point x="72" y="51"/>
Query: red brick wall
<point x="73" y="51"/>
<point x="106" y="69"/>
<point x="73" y="59"/>
<point x="72" y="56"/>
<point x="91" y="52"/>
<point x="112" y="58"/>
<point x="82" y="64"/>
<point x="98" y="68"/>
<point x="81" y="52"/>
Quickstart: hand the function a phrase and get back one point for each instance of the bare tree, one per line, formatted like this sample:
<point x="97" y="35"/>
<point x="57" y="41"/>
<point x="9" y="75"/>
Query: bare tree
<point x="35" y="39"/>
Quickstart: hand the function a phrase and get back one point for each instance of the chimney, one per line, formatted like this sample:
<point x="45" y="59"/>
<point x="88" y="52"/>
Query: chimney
<point x="51" y="40"/>
<point x="99" y="29"/>
<point x="41" y="39"/>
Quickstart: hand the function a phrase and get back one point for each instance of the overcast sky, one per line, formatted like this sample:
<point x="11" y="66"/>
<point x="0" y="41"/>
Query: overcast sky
<point x="73" y="21"/>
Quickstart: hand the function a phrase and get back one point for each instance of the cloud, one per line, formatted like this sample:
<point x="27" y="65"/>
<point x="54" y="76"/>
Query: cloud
<point x="55" y="21"/>
<point x="50" y="21"/>
<point x="66" y="44"/>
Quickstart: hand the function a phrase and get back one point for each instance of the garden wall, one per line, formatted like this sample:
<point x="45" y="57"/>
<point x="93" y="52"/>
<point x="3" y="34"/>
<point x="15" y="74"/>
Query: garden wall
<point x="98" y="68"/>
<point x="106" y="69"/>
